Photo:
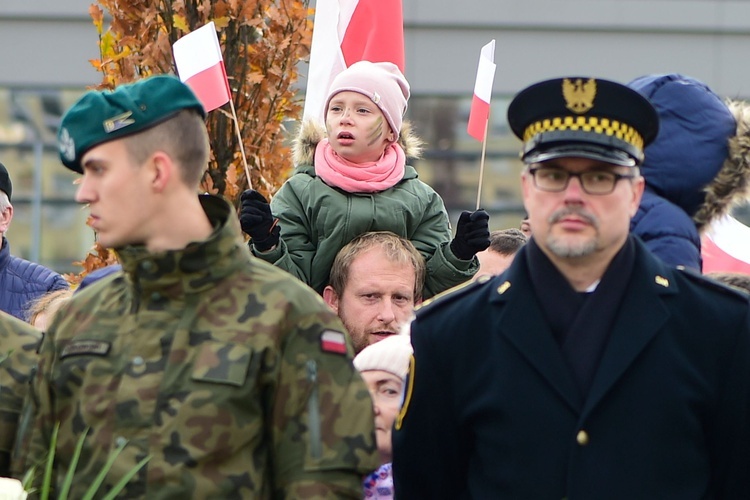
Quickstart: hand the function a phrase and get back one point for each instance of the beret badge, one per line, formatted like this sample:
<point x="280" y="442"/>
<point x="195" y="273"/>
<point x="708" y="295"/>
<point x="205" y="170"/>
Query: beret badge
<point x="67" y="145"/>
<point x="118" y="122"/>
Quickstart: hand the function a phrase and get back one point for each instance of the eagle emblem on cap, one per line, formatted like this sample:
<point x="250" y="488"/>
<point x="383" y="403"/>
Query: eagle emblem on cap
<point x="579" y="95"/>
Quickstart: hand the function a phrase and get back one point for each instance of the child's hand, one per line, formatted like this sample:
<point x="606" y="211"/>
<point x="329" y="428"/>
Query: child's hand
<point x="472" y="234"/>
<point x="257" y="221"/>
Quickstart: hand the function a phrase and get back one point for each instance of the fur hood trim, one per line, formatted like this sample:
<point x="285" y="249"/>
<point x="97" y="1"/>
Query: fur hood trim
<point x="311" y="133"/>
<point x="731" y="186"/>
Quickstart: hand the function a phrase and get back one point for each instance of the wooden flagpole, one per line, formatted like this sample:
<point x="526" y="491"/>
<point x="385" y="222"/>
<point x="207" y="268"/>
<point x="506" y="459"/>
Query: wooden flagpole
<point x="242" y="146"/>
<point x="481" y="161"/>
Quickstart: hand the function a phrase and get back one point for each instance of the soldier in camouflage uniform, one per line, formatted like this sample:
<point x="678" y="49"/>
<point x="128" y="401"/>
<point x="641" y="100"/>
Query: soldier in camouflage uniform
<point x="234" y="377"/>
<point x="18" y="345"/>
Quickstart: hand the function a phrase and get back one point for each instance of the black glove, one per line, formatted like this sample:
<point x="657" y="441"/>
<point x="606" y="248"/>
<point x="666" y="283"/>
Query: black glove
<point x="472" y="234"/>
<point x="257" y="221"/>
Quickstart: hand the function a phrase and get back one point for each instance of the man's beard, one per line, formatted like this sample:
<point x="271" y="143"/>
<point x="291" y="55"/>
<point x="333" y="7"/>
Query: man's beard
<point x="567" y="249"/>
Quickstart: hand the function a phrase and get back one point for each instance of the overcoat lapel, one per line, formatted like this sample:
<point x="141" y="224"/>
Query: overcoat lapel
<point x="523" y="323"/>
<point x="630" y="335"/>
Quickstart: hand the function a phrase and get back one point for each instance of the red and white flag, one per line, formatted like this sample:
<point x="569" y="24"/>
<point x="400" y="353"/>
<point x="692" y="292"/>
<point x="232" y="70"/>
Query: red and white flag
<point x="347" y="31"/>
<point x="200" y="65"/>
<point x="725" y="247"/>
<point x="331" y="341"/>
<point x="480" y="103"/>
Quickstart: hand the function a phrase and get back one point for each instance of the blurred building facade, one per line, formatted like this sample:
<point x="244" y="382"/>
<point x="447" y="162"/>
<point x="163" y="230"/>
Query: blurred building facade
<point x="47" y="45"/>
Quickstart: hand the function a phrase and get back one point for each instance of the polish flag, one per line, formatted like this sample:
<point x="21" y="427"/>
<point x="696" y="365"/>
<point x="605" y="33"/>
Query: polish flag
<point x="480" y="103"/>
<point x="347" y="31"/>
<point x="725" y="247"/>
<point x="331" y="341"/>
<point x="200" y="65"/>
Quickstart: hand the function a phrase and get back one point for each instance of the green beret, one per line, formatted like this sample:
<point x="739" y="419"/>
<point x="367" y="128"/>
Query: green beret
<point x="101" y="116"/>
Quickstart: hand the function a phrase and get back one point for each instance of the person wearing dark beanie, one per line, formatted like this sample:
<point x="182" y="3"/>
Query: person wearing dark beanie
<point x="21" y="281"/>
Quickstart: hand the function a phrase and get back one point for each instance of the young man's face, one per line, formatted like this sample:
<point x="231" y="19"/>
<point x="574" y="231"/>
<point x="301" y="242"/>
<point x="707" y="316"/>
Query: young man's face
<point x="377" y="299"/>
<point x="357" y="129"/>
<point x="117" y="195"/>
<point x="573" y="224"/>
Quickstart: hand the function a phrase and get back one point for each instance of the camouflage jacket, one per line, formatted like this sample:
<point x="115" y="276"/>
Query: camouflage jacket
<point x="230" y="374"/>
<point x="18" y="345"/>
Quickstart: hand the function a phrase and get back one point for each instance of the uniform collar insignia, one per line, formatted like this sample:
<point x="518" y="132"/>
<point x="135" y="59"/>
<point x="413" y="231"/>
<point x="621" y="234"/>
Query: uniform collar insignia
<point x="503" y="288"/>
<point x="661" y="280"/>
<point x="118" y="122"/>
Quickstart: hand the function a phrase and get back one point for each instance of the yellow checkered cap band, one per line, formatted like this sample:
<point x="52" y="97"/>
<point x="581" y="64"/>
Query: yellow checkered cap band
<point x="604" y="126"/>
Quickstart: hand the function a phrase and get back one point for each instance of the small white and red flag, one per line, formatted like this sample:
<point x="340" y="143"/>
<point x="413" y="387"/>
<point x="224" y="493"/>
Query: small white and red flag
<point x="347" y="31"/>
<point x="200" y="65"/>
<point x="480" y="103"/>
<point x="725" y="247"/>
<point x="332" y="341"/>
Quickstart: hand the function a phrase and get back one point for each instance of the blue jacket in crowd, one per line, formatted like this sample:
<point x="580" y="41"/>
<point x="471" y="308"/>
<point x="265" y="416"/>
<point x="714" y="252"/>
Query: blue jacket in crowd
<point x="689" y="152"/>
<point x="22" y="281"/>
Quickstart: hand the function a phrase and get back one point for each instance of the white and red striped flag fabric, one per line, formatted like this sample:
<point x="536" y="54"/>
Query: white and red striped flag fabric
<point x="480" y="103"/>
<point x="347" y="31"/>
<point x="725" y="247"/>
<point x="200" y="65"/>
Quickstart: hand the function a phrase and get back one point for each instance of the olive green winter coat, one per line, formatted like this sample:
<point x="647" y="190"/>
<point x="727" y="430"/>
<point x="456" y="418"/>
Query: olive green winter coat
<point x="317" y="220"/>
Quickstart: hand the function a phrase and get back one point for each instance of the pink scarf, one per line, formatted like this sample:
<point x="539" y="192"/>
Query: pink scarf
<point x="369" y="177"/>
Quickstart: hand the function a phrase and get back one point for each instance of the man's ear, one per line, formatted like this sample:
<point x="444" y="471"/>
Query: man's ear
<point x="331" y="298"/>
<point x="162" y="169"/>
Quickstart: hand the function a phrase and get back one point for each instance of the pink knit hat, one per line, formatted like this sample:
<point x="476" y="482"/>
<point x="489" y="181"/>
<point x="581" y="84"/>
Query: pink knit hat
<point x="382" y="82"/>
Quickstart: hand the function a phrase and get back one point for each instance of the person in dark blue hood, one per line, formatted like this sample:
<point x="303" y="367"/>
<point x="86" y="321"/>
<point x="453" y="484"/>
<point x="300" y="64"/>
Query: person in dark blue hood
<point x="695" y="168"/>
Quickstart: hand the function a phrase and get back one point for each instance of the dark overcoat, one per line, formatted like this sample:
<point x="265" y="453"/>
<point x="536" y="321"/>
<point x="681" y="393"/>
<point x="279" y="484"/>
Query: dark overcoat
<point x="492" y="410"/>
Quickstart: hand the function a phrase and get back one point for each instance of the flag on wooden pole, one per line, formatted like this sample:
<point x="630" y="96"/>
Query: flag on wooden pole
<point x="347" y="31"/>
<point x="200" y="65"/>
<point x="480" y="103"/>
<point x="725" y="247"/>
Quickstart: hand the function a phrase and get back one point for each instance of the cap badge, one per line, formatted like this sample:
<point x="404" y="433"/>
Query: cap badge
<point x="118" y="122"/>
<point x="579" y="95"/>
<point x="375" y="97"/>
<point x="67" y="145"/>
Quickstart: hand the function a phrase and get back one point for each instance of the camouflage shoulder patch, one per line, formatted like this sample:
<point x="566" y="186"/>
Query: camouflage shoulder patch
<point x="451" y="294"/>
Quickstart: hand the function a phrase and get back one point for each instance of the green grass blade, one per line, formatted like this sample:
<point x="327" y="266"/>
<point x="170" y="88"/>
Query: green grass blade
<point x="47" y="482"/>
<point x="91" y="492"/>
<point x="28" y="480"/>
<point x="124" y="481"/>
<point x="70" y="474"/>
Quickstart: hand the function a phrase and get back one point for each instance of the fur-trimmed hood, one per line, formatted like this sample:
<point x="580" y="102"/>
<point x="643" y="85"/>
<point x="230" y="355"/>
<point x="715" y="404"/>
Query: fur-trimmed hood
<point x="311" y="133"/>
<point x="731" y="186"/>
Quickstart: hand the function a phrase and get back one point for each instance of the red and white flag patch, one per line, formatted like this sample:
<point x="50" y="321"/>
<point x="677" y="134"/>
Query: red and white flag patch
<point x="331" y="341"/>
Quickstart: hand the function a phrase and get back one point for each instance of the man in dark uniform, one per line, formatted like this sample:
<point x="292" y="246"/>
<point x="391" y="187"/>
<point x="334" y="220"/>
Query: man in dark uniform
<point x="589" y="369"/>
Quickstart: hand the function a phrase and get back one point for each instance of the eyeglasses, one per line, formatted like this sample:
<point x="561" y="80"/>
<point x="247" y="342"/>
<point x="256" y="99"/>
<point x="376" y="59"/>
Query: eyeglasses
<point x="555" y="180"/>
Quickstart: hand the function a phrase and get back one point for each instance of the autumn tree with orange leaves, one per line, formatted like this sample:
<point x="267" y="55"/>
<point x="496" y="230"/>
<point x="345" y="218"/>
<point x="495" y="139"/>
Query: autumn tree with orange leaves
<point x="262" y="43"/>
